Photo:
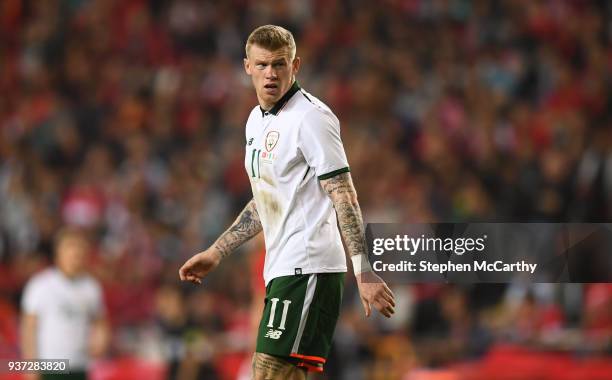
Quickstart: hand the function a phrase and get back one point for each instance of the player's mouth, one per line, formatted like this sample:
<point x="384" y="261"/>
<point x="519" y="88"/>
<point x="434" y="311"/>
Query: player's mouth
<point x="271" y="88"/>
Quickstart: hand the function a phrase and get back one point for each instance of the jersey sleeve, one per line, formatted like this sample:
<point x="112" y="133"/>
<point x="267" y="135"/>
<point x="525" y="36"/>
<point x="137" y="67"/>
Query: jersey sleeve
<point x="33" y="298"/>
<point x="320" y="143"/>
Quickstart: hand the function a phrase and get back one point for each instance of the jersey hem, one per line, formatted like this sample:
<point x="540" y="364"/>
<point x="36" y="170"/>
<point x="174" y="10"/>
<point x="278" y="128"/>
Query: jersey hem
<point x="306" y="271"/>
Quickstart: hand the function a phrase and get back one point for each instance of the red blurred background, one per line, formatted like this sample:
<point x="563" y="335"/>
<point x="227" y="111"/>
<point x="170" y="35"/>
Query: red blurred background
<point x="126" y="117"/>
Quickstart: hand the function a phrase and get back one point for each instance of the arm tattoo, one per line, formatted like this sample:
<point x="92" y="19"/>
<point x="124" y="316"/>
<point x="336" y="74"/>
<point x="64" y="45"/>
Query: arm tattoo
<point x="344" y="197"/>
<point x="244" y="228"/>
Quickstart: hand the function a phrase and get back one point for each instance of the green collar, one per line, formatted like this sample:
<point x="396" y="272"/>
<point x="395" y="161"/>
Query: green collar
<point x="295" y="87"/>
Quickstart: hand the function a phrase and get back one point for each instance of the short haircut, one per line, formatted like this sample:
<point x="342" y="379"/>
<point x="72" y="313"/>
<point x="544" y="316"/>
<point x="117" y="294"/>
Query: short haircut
<point x="70" y="232"/>
<point x="271" y="37"/>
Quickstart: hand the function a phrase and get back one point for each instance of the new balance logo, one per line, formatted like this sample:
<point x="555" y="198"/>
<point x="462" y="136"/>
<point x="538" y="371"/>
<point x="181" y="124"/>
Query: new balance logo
<point x="273" y="334"/>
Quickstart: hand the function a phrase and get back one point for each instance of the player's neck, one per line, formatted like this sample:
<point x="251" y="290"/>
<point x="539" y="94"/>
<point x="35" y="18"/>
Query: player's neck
<point x="69" y="274"/>
<point x="265" y="106"/>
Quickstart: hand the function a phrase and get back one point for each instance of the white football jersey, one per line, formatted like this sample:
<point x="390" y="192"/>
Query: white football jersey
<point x="65" y="309"/>
<point x="288" y="150"/>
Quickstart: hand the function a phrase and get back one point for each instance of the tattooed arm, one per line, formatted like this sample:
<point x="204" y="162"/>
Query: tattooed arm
<point x="372" y="288"/>
<point x="344" y="197"/>
<point x="246" y="225"/>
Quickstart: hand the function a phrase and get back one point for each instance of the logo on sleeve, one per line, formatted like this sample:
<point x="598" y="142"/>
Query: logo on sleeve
<point x="250" y="141"/>
<point x="271" y="140"/>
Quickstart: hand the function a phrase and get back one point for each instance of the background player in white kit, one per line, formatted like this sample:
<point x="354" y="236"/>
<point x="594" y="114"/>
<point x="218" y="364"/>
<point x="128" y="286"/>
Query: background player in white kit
<point x="302" y="190"/>
<point x="63" y="310"/>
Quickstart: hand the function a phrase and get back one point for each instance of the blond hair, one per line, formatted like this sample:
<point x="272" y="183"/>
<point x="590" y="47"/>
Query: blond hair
<point x="271" y="37"/>
<point x="71" y="232"/>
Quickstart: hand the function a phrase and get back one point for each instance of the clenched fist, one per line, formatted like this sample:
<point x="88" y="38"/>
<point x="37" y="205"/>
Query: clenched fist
<point x="199" y="266"/>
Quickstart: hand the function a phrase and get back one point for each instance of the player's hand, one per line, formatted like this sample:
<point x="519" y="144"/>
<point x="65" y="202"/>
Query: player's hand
<point x="374" y="292"/>
<point x="199" y="266"/>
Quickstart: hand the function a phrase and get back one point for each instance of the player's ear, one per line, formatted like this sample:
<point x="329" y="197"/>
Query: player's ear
<point x="247" y="66"/>
<point x="295" y="65"/>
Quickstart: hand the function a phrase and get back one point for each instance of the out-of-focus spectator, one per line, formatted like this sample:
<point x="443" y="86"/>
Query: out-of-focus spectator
<point x="447" y="326"/>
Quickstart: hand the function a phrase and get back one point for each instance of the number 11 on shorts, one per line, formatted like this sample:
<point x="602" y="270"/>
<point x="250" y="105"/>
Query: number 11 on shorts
<point x="286" y="304"/>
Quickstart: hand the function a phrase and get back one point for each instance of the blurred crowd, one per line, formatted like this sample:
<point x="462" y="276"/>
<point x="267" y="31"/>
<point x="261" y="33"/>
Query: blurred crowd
<point x="126" y="118"/>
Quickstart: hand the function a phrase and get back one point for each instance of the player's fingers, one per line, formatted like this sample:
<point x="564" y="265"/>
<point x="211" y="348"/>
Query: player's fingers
<point x="387" y="311"/>
<point x="196" y="279"/>
<point x="389" y="298"/>
<point x="384" y="311"/>
<point x="185" y="274"/>
<point x="381" y="304"/>
<point x="192" y="278"/>
<point x="384" y="297"/>
<point x="184" y="271"/>
<point x="366" y="307"/>
<point x="388" y="291"/>
<point x="390" y="312"/>
<point x="385" y="308"/>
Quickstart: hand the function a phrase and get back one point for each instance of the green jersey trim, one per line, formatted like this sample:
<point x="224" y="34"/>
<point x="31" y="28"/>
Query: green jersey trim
<point x="334" y="173"/>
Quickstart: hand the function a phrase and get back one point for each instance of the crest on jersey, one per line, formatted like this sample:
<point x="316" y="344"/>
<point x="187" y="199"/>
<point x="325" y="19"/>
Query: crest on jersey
<point x="271" y="140"/>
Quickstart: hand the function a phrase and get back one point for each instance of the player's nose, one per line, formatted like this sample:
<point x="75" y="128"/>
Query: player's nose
<point x="270" y="72"/>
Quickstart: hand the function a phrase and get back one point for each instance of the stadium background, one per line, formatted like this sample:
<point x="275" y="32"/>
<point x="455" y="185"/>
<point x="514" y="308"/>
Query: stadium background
<point x="127" y="117"/>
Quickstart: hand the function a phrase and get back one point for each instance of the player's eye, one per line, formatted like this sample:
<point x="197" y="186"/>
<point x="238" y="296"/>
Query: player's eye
<point x="279" y="64"/>
<point x="260" y="66"/>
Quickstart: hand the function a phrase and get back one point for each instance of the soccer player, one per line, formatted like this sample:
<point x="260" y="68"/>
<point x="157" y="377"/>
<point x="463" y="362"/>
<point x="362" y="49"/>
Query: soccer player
<point x="302" y="193"/>
<point x="63" y="310"/>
